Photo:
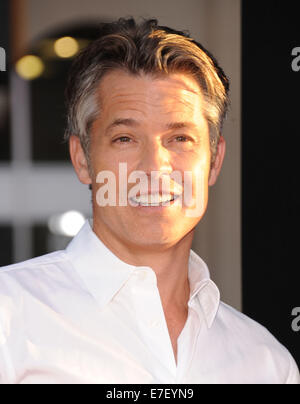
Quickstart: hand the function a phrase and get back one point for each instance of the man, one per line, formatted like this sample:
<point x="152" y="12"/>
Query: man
<point x="128" y="301"/>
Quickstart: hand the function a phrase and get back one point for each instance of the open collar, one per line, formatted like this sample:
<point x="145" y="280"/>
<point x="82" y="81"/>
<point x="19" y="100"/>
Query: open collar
<point x="104" y="273"/>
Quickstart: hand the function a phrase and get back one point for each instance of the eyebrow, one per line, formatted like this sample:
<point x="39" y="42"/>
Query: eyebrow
<point x="133" y="123"/>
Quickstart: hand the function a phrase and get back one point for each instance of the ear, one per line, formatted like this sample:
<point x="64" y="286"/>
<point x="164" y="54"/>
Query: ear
<point x="79" y="160"/>
<point x="216" y="168"/>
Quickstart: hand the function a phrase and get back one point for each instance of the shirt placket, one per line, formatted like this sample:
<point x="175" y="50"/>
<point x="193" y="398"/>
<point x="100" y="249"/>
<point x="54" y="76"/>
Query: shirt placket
<point x="152" y="323"/>
<point x="187" y="342"/>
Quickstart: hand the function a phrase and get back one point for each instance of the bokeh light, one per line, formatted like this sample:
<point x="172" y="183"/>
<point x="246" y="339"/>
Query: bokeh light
<point x="67" y="224"/>
<point x="66" y="47"/>
<point x="30" y="67"/>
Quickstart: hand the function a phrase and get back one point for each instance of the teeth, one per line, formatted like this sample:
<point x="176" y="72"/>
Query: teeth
<point x="152" y="200"/>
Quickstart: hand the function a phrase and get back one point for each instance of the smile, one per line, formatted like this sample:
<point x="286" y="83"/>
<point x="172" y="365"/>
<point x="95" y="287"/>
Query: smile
<point x="153" y="200"/>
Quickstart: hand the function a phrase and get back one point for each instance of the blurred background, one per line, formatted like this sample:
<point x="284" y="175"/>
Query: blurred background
<point x="246" y="235"/>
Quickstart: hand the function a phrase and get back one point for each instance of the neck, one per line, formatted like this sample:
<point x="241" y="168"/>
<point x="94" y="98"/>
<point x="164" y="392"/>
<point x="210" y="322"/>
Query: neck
<point x="170" y="264"/>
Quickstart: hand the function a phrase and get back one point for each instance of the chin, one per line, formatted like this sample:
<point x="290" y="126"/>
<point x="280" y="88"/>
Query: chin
<point x="151" y="236"/>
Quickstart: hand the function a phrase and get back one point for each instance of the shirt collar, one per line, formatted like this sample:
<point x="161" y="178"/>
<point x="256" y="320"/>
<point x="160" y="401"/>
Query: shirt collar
<point x="203" y="288"/>
<point x="104" y="273"/>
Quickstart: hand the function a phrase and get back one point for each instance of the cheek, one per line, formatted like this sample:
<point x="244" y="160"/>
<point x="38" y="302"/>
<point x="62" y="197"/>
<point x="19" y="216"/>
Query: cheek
<point x="102" y="159"/>
<point x="202" y="163"/>
<point x="197" y="161"/>
<point x="196" y="175"/>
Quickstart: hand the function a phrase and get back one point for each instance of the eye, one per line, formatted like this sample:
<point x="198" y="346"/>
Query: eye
<point x="182" y="139"/>
<point x="122" y="139"/>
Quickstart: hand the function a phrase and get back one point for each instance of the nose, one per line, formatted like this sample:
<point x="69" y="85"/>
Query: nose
<point x="155" y="157"/>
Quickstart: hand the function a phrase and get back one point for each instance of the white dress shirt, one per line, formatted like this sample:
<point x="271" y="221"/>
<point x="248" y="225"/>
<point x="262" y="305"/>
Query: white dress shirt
<point x="83" y="316"/>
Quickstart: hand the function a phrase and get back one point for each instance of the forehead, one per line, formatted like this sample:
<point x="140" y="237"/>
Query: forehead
<point x="119" y="90"/>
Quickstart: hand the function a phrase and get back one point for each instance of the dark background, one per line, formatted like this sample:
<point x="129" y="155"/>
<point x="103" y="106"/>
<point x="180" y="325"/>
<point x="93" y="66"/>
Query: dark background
<point x="4" y="43"/>
<point x="270" y="167"/>
<point x="6" y="255"/>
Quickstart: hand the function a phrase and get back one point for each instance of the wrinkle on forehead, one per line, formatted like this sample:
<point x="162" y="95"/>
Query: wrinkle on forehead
<point x="134" y="103"/>
<point x="170" y="89"/>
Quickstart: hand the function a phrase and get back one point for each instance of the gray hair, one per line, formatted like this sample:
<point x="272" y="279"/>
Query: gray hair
<point x="142" y="48"/>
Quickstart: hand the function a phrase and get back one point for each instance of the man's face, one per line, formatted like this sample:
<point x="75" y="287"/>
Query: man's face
<point x="147" y="142"/>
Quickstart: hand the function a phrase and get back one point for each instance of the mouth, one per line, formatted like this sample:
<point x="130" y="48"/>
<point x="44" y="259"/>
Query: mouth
<point x="154" y="200"/>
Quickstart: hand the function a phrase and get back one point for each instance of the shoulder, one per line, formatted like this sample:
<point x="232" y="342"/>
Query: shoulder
<point x="24" y="290"/>
<point x="241" y="325"/>
<point x="35" y="286"/>
<point x="252" y="340"/>
<point x="248" y="331"/>
<point x="54" y="257"/>
<point x="33" y="264"/>
<point x="17" y="278"/>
